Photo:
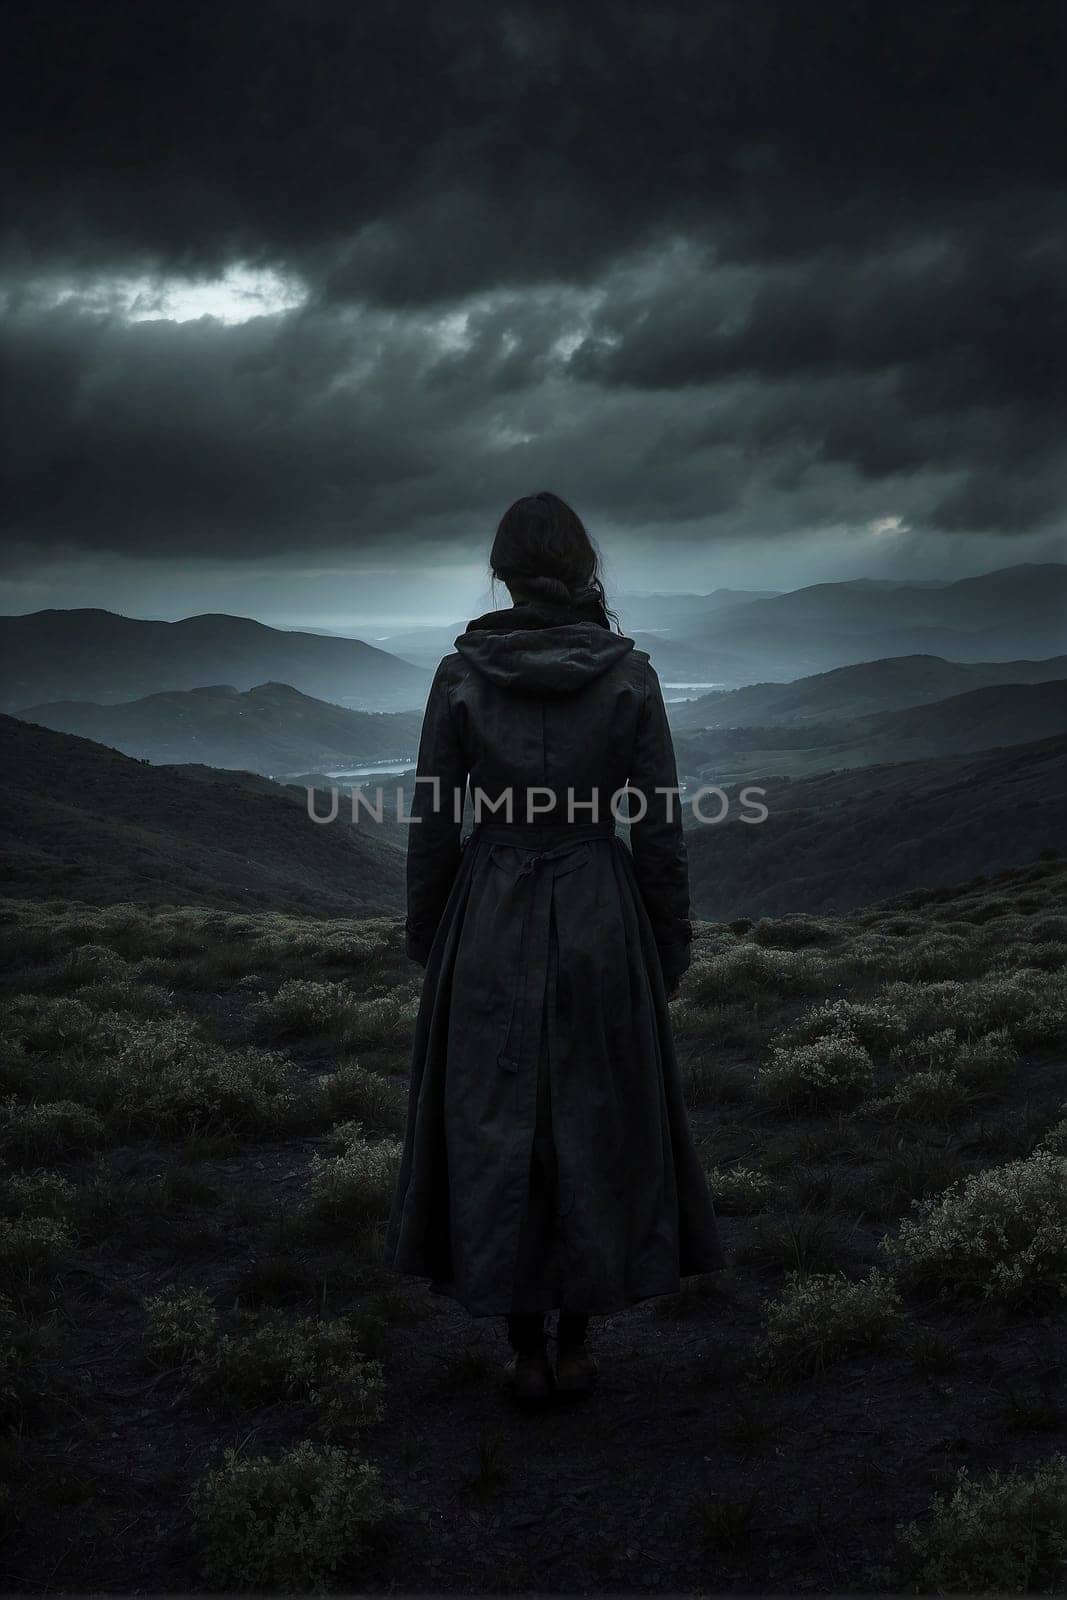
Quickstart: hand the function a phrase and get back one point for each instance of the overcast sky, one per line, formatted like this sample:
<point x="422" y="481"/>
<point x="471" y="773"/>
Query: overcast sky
<point x="300" y="294"/>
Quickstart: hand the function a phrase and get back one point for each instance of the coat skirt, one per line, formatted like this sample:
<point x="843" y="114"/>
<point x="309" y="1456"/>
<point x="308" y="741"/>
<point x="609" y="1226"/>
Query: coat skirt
<point x="548" y="1159"/>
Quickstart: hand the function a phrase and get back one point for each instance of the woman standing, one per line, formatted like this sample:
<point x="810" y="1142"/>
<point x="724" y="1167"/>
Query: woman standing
<point x="548" y="1161"/>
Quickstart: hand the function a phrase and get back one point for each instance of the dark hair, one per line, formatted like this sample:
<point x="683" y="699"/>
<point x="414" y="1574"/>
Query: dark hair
<point x="542" y="548"/>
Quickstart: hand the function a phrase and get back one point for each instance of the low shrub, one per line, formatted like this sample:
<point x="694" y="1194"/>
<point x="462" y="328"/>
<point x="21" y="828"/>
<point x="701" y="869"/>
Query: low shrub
<point x="1005" y="1533"/>
<point x="181" y="1328"/>
<point x="1054" y="1139"/>
<point x="33" y="1132"/>
<point x="832" y="1071"/>
<point x="749" y="972"/>
<point x="305" y="1359"/>
<point x="739" y="1191"/>
<point x="298" y="1522"/>
<point x="29" y="1245"/>
<point x="820" y="1318"/>
<point x="353" y="1093"/>
<point x="874" y="1023"/>
<point x="935" y="1094"/>
<point x="36" y="1194"/>
<point x="794" y="932"/>
<point x="174" y="1082"/>
<point x="355" y="1188"/>
<point x="1000" y="1235"/>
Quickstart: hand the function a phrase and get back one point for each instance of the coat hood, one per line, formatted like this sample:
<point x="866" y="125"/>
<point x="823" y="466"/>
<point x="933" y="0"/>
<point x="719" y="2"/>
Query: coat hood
<point x="541" y="648"/>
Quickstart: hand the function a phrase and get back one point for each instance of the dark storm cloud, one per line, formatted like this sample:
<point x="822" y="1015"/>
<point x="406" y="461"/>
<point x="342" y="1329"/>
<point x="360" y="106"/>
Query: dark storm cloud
<point x="807" y="260"/>
<point x="480" y="145"/>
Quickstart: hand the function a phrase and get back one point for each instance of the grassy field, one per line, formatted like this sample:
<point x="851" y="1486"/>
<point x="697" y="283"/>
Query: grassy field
<point x="207" y="1380"/>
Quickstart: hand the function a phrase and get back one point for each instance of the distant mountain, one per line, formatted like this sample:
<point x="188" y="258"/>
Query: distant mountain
<point x="1016" y="612"/>
<point x="739" y="637"/>
<point x="674" y="611"/>
<point x="424" y="647"/>
<point x="83" y="823"/>
<point x="1030" y="594"/>
<point x="853" y="691"/>
<point x="427" y="645"/>
<point x="832" y="842"/>
<point x="101" y="656"/>
<point x="998" y="714"/>
<point x="273" y="729"/>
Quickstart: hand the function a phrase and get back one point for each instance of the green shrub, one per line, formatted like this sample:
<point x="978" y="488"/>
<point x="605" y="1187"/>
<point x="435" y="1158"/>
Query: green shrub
<point x="92" y="963"/>
<point x="303" y="1006"/>
<point x="297" y="1523"/>
<point x="935" y="1094"/>
<point x="1029" y="1004"/>
<point x="1055" y="1139"/>
<point x="739" y="1191"/>
<point x="128" y="994"/>
<point x="988" y="1061"/>
<point x="174" y="1082"/>
<point x="929" y="1052"/>
<point x="937" y="955"/>
<point x="1003" y="1534"/>
<point x="151" y="1075"/>
<point x="29" y="1245"/>
<point x="305" y="1359"/>
<point x="36" y="1194"/>
<point x="36" y="1132"/>
<point x="332" y="1011"/>
<point x="820" y="1318"/>
<point x="748" y="972"/>
<point x="354" y="1093"/>
<point x="181" y="1327"/>
<point x="833" y="1071"/>
<point x="874" y="1023"/>
<point x="999" y="1234"/>
<point x="356" y="1187"/>
<point x="794" y="931"/>
<point x="41" y="1022"/>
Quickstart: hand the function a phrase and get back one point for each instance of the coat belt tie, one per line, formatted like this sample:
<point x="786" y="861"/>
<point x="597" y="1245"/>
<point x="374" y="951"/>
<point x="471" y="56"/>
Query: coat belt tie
<point x="536" y="887"/>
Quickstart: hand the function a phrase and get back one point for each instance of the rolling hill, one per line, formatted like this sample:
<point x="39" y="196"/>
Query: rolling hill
<point x="1015" y="612"/>
<point x="82" y="822"/>
<point x="101" y="656"/>
<point x="833" y="841"/>
<point x="998" y="714"/>
<point x="272" y="728"/>
<point x="855" y="691"/>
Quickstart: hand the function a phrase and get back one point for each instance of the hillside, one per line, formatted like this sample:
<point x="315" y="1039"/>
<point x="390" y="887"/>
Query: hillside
<point x="81" y="822"/>
<point x="101" y="656"/>
<point x="838" y="839"/>
<point x="1016" y="612"/>
<point x="272" y="728"/>
<point x="199" y="1145"/>
<point x="999" y="714"/>
<point x="1030" y="595"/>
<point x="855" y="691"/>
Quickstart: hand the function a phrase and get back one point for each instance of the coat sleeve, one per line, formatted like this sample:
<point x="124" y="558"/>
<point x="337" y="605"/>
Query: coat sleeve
<point x="656" y="837"/>
<point x="433" y="848"/>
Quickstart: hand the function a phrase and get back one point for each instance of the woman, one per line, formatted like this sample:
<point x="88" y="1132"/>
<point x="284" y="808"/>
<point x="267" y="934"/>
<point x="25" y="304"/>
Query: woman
<point x="548" y="1160"/>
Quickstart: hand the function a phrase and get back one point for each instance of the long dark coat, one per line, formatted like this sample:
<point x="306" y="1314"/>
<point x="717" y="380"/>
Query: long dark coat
<point x="549" y="950"/>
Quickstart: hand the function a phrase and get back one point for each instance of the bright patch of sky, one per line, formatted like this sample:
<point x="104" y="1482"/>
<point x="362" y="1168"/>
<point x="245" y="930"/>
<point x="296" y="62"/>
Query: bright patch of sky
<point x="237" y="295"/>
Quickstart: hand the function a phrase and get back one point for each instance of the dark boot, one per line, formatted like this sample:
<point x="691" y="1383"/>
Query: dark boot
<point x="576" y="1370"/>
<point x="529" y="1371"/>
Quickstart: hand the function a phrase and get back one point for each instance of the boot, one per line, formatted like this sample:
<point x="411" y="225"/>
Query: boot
<point x="531" y="1377"/>
<point x="576" y="1369"/>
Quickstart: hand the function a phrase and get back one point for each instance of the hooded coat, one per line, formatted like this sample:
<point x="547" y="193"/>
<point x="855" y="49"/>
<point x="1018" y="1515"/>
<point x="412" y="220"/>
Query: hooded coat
<point x="548" y="1159"/>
